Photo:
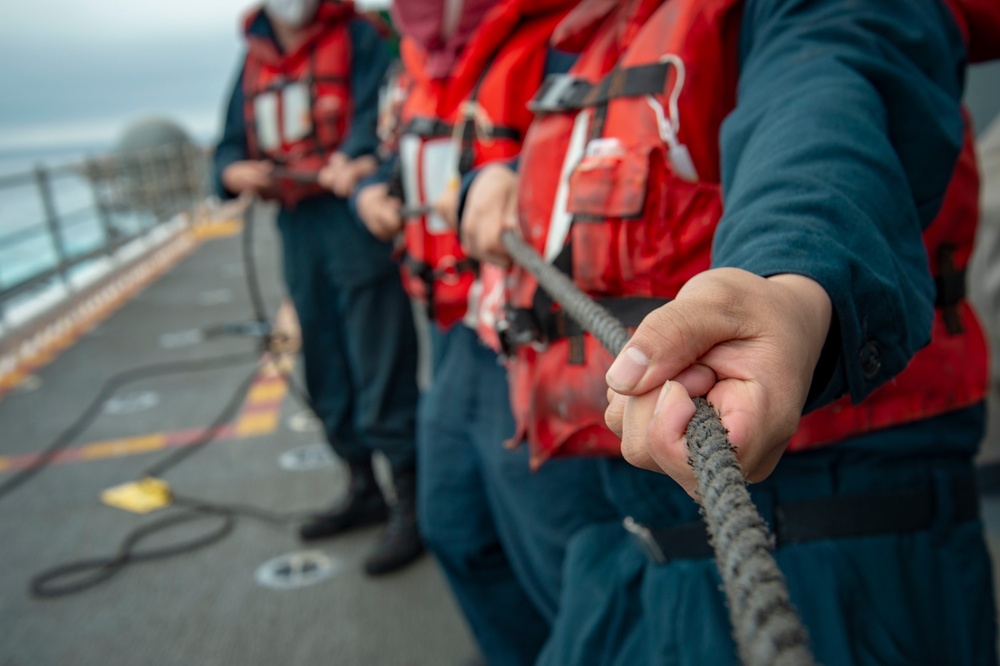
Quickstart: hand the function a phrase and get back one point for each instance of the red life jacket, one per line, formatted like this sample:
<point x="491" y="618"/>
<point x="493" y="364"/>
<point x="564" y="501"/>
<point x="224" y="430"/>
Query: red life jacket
<point x="621" y="189"/>
<point x="452" y="126"/>
<point x="298" y="104"/>
<point x="979" y="21"/>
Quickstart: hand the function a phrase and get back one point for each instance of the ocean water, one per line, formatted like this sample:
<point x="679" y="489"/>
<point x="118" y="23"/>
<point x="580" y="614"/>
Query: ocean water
<point x="26" y="245"/>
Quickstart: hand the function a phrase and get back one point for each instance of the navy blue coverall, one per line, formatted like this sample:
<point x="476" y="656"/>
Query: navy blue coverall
<point x="845" y="134"/>
<point x="359" y="343"/>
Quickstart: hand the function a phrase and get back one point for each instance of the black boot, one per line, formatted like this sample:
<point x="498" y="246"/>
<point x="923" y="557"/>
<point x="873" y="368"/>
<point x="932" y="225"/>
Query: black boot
<point x="362" y="506"/>
<point x="401" y="542"/>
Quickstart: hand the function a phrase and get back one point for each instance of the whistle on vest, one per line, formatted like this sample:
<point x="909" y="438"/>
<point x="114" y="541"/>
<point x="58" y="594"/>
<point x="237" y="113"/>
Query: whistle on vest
<point x="677" y="152"/>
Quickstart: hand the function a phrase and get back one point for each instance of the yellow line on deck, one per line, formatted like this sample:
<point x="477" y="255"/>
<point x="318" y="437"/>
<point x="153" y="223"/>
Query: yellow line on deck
<point x="122" y="447"/>
<point x="259" y="423"/>
<point x="217" y="229"/>
<point x="268" y="391"/>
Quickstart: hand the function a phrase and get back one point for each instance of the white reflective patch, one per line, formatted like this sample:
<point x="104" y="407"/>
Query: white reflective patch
<point x="297" y="119"/>
<point x="310" y="456"/>
<point x="429" y="166"/>
<point x="304" y="421"/>
<point x="185" y="338"/>
<point x="439" y="170"/>
<point x="409" y="154"/>
<point x="131" y="402"/>
<point x="560" y="221"/>
<point x="215" y="297"/>
<point x="295" y="570"/>
<point x="265" y="111"/>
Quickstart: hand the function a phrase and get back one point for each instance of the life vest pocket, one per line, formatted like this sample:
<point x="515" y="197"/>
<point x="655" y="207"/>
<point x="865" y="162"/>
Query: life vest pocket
<point x="638" y="229"/>
<point x="609" y="182"/>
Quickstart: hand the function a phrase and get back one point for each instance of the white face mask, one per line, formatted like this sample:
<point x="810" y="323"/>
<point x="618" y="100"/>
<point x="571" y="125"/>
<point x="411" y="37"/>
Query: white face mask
<point x="293" y="13"/>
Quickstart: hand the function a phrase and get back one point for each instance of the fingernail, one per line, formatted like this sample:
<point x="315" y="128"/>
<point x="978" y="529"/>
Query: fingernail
<point x="627" y="369"/>
<point x="661" y="397"/>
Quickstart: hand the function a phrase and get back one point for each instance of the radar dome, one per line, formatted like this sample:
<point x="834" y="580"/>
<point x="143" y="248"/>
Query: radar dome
<point x="152" y="133"/>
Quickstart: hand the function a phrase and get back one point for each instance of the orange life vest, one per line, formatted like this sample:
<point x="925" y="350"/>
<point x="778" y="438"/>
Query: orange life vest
<point x="451" y="126"/>
<point x="298" y="104"/>
<point x="620" y="176"/>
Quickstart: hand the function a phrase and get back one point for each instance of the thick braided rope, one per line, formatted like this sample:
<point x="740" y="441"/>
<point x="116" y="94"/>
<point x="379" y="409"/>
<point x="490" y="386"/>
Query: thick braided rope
<point x="766" y="626"/>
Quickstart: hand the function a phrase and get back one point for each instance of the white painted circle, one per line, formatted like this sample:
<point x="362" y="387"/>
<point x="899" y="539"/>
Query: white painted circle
<point x="294" y="570"/>
<point x="183" y="338"/>
<point x="131" y="402"/>
<point x="310" y="456"/>
<point x="304" y="421"/>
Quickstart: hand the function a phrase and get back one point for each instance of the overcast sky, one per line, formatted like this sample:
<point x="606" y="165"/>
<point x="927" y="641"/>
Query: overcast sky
<point x="78" y="71"/>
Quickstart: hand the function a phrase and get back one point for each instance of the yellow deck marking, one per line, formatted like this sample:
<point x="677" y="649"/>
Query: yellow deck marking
<point x="218" y="229"/>
<point x="258" y="423"/>
<point x="122" y="447"/>
<point x="141" y="496"/>
<point x="13" y="379"/>
<point x="267" y="391"/>
<point x="254" y="421"/>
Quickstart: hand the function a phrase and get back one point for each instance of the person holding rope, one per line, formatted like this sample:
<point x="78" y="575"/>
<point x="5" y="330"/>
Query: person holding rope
<point x="498" y="531"/>
<point x="782" y="197"/>
<point x="305" y="101"/>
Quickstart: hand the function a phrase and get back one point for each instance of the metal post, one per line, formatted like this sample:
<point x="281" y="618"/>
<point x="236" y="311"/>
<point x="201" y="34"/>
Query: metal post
<point x="143" y="165"/>
<point x="95" y="175"/>
<point x="52" y="221"/>
<point x="178" y="176"/>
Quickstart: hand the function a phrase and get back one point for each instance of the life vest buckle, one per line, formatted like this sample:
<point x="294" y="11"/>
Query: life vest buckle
<point x="559" y="92"/>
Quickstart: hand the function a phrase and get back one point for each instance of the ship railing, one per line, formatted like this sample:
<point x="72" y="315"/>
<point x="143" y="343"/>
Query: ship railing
<point x="75" y="214"/>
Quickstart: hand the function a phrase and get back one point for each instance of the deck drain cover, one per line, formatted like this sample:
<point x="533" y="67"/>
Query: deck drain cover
<point x="215" y="297"/>
<point x="310" y="456"/>
<point x="295" y="570"/>
<point x="304" y="421"/>
<point x="131" y="402"/>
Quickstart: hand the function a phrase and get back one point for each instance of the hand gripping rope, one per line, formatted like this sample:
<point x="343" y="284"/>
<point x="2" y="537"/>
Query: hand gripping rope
<point x="767" y="628"/>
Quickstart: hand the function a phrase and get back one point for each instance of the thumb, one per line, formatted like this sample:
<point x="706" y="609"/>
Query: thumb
<point x="669" y="340"/>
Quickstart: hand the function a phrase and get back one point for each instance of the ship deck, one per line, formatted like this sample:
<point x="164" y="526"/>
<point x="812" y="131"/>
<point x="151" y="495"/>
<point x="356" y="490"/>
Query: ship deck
<point x="205" y="606"/>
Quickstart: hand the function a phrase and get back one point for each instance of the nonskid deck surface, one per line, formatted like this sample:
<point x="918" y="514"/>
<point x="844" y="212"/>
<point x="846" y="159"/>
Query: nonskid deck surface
<point x="205" y="606"/>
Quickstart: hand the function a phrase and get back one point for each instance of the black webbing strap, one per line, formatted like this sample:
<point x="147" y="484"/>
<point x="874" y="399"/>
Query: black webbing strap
<point x="824" y="518"/>
<point x="563" y="92"/>
<point x="428" y="275"/>
<point x="630" y="311"/>
<point x="467" y="153"/>
<point x="525" y="325"/>
<point x="428" y="128"/>
<point x="317" y="147"/>
<point x="433" y="128"/>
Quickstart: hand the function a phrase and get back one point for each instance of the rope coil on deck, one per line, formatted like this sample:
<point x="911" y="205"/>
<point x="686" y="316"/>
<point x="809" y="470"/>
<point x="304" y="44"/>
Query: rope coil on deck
<point x="767" y="628"/>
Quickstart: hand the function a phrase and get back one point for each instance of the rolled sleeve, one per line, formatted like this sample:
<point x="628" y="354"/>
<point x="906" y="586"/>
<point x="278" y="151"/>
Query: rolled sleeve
<point x="837" y="157"/>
